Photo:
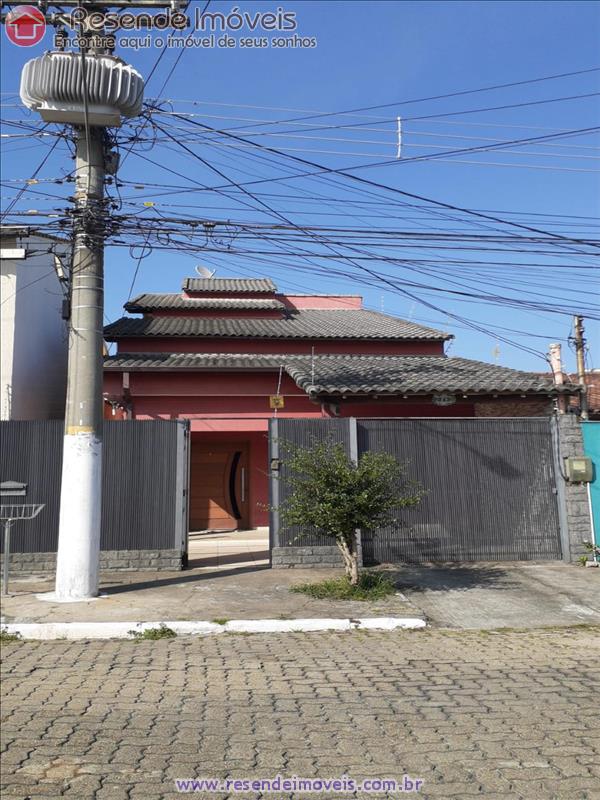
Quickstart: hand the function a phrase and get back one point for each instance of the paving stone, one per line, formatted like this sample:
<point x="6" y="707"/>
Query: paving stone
<point x="472" y="715"/>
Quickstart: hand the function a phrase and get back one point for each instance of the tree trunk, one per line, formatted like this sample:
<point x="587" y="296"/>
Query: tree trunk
<point x="354" y="560"/>
<point x="350" y="556"/>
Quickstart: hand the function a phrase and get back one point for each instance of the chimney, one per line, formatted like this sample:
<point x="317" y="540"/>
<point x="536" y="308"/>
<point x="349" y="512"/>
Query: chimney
<point x="554" y="351"/>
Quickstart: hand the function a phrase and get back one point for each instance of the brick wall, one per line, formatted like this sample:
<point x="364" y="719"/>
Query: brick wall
<point x="511" y="407"/>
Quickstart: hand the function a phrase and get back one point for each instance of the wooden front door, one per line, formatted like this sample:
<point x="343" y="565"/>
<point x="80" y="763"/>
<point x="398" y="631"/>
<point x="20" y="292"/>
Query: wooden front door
<point x="219" y="486"/>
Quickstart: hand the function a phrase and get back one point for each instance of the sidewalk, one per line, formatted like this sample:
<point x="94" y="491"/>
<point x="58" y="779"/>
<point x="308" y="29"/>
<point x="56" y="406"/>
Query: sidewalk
<point x="229" y="579"/>
<point x="241" y="592"/>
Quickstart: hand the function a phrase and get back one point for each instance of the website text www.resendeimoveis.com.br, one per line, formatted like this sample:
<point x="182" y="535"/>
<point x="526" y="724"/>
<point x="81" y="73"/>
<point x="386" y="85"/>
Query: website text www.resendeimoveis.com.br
<point x="277" y="784"/>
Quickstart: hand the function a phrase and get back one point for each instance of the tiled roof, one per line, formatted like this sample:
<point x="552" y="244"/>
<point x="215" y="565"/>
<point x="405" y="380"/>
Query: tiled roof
<point x="193" y="361"/>
<point x="237" y="285"/>
<point x="156" y="302"/>
<point x="352" y="375"/>
<point x="305" y="324"/>
<point x="412" y="375"/>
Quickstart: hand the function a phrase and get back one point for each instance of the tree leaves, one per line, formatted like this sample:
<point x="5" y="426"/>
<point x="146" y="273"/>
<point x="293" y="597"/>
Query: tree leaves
<point x="336" y="496"/>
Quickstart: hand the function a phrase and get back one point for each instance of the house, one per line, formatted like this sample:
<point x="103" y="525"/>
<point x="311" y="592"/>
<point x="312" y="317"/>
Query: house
<point x="229" y="354"/>
<point x="33" y="347"/>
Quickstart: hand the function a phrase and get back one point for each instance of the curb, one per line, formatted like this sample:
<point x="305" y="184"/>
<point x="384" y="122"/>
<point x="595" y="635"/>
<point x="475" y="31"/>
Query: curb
<point x="121" y="630"/>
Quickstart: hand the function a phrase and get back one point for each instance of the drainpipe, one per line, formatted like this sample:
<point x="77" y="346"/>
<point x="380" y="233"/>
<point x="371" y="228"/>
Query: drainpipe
<point x="127" y="401"/>
<point x="593" y="527"/>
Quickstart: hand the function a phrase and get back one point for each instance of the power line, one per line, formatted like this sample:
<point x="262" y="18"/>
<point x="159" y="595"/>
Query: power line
<point x="26" y="187"/>
<point x="359" y="266"/>
<point x="181" y="52"/>
<point x="349" y="173"/>
<point x="394" y="104"/>
<point x="466" y="111"/>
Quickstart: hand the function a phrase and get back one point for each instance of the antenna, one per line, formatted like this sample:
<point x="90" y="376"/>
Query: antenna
<point x="204" y="272"/>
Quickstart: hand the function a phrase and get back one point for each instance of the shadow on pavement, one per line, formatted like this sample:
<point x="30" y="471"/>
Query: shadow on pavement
<point x="441" y="578"/>
<point x="181" y="577"/>
<point x="232" y="558"/>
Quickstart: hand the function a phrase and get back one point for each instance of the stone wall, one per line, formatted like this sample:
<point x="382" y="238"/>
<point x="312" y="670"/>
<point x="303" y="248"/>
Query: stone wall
<point x="572" y="496"/>
<point x="110" y="560"/>
<point x="306" y="557"/>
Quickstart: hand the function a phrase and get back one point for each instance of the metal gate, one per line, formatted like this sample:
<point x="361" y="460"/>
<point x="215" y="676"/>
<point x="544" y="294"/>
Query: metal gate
<point x="144" y="482"/>
<point x="490" y="487"/>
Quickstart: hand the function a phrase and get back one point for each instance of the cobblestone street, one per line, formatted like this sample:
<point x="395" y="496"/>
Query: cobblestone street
<point x="493" y="715"/>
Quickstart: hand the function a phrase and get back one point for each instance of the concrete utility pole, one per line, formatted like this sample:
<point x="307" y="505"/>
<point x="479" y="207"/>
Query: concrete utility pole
<point x="59" y="86"/>
<point x="81" y="490"/>
<point x="580" y="351"/>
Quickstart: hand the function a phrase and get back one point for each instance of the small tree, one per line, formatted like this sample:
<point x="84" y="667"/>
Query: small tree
<point x="337" y="496"/>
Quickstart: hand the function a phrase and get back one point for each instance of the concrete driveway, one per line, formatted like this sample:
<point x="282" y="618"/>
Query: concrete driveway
<point x="505" y="595"/>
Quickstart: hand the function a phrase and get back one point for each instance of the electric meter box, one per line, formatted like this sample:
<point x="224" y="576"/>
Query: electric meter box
<point x="579" y="469"/>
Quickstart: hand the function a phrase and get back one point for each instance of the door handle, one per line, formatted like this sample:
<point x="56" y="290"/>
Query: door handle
<point x="243" y="479"/>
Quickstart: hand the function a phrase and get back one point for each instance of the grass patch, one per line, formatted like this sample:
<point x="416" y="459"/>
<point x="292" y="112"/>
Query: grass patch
<point x="220" y="620"/>
<point x="6" y="637"/>
<point x="153" y="634"/>
<point x="371" y="586"/>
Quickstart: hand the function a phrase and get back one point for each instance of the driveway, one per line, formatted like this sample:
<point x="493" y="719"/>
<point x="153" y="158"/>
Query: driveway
<point x="470" y="596"/>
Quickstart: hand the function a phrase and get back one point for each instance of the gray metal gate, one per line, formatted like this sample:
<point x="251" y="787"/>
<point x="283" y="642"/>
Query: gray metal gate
<point x="144" y="483"/>
<point x="491" y="489"/>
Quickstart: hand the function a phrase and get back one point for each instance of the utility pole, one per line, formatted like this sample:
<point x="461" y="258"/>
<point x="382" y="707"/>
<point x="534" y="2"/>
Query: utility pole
<point x="61" y="88"/>
<point x="81" y="489"/>
<point x="580" y="351"/>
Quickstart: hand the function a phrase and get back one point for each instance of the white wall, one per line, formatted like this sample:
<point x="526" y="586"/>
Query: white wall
<point x="33" y="349"/>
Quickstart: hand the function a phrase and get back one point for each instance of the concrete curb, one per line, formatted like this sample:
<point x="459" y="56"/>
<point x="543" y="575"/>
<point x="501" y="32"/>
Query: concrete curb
<point x="122" y="630"/>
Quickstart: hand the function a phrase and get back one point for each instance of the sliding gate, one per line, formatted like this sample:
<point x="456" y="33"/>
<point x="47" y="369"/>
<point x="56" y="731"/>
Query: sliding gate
<point x="490" y="486"/>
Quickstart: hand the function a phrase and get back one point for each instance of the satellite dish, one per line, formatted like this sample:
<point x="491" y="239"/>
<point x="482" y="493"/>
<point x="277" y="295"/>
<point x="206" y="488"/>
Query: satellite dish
<point x="204" y="272"/>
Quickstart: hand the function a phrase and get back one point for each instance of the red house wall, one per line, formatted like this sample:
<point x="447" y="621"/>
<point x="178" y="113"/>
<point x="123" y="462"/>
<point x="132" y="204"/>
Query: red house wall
<point x="234" y="406"/>
<point x="245" y="395"/>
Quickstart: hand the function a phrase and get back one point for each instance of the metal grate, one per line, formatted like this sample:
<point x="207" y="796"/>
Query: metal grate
<point x="9" y="513"/>
<point x="14" y="511"/>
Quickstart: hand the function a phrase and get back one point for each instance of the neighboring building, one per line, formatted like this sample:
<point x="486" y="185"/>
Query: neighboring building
<point x="33" y="356"/>
<point x="228" y="354"/>
<point x="592" y="381"/>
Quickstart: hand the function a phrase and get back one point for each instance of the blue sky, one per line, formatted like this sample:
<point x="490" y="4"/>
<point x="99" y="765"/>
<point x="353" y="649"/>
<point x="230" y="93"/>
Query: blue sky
<point x="369" y="54"/>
